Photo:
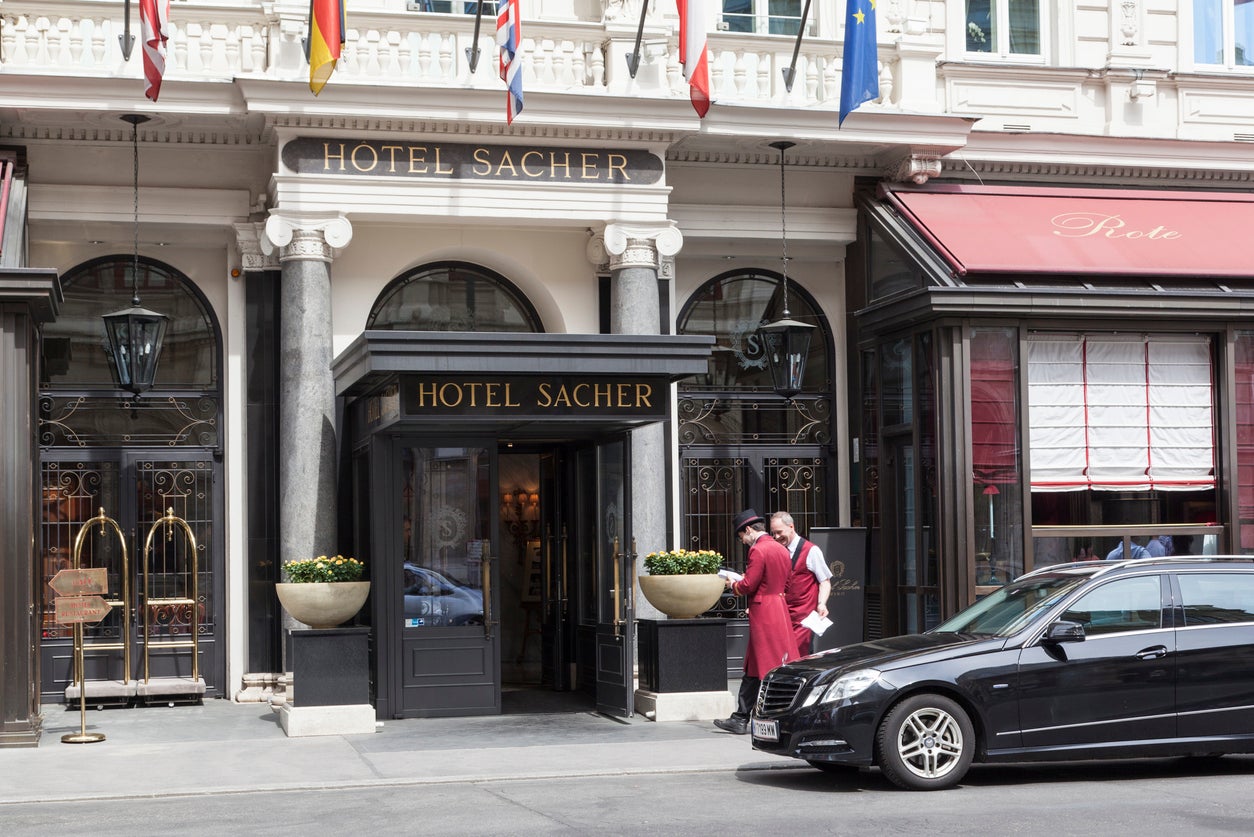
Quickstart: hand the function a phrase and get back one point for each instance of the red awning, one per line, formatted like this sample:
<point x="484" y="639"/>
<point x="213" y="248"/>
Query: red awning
<point x="993" y="229"/>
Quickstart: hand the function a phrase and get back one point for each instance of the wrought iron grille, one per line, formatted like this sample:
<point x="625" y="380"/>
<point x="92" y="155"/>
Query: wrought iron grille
<point x="736" y="421"/>
<point x="88" y="421"/>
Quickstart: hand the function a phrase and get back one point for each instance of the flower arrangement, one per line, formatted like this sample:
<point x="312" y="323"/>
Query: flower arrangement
<point x="322" y="568"/>
<point x="683" y="562"/>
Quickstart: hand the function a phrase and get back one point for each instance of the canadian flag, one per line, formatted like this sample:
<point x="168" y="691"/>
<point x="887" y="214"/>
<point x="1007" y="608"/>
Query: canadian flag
<point x="693" y="18"/>
<point x="154" y="16"/>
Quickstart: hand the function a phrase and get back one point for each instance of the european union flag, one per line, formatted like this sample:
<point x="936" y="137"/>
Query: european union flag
<point x="860" y="77"/>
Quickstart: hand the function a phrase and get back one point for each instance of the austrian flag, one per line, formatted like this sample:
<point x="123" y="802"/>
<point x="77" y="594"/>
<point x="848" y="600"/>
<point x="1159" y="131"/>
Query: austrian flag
<point x="154" y="17"/>
<point x="693" y="18"/>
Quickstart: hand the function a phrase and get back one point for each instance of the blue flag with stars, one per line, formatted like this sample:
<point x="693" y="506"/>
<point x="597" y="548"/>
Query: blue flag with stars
<point x="860" y="77"/>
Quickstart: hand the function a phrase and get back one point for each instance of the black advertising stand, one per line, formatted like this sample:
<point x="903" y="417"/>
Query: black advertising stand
<point x="844" y="549"/>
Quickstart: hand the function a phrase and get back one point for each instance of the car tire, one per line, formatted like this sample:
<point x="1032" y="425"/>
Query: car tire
<point x="926" y="742"/>
<point x="833" y="767"/>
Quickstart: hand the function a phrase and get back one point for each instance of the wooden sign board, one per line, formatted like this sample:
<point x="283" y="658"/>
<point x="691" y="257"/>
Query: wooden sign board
<point x="74" y="609"/>
<point x="87" y="582"/>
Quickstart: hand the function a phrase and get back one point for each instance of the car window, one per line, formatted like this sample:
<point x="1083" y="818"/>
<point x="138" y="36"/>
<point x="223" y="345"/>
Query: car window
<point x="1126" y="604"/>
<point x="1009" y="609"/>
<point x="1217" y="598"/>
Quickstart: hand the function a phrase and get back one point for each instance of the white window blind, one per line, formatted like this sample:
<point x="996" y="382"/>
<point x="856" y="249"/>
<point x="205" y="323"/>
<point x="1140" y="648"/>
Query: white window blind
<point x="1120" y="412"/>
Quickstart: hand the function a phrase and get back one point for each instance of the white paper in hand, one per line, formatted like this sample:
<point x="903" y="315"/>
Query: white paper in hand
<point x="732" y="574"/>
<point x="817" y="624"/>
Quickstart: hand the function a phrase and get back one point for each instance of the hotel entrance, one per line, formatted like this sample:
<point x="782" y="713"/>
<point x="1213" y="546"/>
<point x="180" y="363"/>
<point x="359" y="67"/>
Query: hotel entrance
<point x="494" y="513"/>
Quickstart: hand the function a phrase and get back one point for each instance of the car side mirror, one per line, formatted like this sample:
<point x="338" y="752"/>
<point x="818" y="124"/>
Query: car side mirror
<point x="1064" y="631"/>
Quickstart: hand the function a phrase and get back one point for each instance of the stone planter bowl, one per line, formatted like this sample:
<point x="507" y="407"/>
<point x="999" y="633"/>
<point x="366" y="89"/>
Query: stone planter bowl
<point x="323" y="604"/>
<point x="682" y="596"/>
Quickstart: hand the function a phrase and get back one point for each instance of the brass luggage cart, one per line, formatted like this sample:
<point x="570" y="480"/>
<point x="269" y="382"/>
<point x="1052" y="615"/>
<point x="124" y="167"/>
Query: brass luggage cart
<point x="177" y="575"/>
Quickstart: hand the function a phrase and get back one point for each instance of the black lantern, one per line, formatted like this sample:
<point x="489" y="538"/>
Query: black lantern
<point x="785" y="341"/>
<point x="135" y="334"/>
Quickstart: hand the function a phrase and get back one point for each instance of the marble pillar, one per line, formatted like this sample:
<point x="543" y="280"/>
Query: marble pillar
<point x="636" y="254"/>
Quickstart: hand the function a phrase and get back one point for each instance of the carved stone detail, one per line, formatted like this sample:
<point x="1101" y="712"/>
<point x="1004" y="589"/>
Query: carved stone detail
<point x="917" y="168"/>
<point x="298" y="237"/>
<point x="250" y="239"/>
<point x="635" y="245"/>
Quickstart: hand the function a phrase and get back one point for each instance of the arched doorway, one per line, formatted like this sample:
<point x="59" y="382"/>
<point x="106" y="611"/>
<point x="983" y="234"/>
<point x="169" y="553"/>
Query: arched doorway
<point x="741" y="445"/>
<point x="134" y="458"/>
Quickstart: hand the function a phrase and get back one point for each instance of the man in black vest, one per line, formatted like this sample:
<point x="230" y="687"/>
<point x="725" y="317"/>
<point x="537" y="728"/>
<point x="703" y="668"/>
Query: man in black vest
<point x="809" y="583"/>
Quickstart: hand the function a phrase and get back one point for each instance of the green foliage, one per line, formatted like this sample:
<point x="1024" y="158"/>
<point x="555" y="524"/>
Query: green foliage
<point x="322" y="568"/>
<point x="683" y="562"/>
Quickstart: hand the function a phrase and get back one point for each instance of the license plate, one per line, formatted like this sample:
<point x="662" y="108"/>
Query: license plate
<point x="766" y="730"/>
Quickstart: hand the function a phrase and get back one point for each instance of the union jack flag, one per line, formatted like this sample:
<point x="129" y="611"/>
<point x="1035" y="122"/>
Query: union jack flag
<point x="509" y="39"/>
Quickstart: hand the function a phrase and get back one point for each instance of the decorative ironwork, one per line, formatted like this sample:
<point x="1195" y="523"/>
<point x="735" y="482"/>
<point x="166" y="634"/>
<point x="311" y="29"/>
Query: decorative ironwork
<point x="736" y="421"/>
<point x="796" y="485"/>
<point x="91" y="421"/>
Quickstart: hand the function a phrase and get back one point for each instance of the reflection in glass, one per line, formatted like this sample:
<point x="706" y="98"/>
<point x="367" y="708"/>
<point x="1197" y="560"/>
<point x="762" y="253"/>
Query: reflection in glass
<point x="452" y="297"/>
<point x="445" y="535"/>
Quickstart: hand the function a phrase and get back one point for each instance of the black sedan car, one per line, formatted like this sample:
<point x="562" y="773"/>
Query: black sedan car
<point x="1094" y="660"/>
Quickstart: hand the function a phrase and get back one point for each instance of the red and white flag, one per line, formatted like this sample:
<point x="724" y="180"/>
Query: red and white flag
<point x="693" y="18"/>
<point x="154" y="16"/>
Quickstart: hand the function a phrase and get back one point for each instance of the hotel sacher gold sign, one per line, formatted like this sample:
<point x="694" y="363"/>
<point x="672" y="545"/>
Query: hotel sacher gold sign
<point x="532" y="396"/>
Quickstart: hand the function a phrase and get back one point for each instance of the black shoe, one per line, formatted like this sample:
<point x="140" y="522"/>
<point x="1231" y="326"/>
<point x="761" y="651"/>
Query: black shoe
<point x="733" y="725"/>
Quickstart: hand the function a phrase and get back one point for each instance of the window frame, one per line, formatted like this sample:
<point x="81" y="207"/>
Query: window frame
<point x="760" y="14"/>
<point x="1227" y="26"/>
<point x="959" y="20"/>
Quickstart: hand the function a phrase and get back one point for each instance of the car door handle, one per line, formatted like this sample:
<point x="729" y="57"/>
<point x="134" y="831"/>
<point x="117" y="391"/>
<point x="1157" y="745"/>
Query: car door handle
<point x="1154" y="653"/>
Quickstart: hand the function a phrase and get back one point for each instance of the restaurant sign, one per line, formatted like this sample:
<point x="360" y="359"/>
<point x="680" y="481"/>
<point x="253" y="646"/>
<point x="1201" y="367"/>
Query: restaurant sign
<point x="535" y="397"/>
<point x="427" y="160"/>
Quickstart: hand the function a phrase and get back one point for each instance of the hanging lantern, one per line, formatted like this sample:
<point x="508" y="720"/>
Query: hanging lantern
<point x="785" y="341"/>
<point x="135" y="337"/>
<point x="135" y="334"/>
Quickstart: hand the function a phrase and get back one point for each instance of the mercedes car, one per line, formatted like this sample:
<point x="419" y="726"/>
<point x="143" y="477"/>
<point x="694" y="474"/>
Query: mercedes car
<point x="1092" y="660"/>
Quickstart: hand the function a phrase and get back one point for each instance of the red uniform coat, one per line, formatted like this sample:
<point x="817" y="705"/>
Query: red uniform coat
<point x="771" y="641"/>
<point x="802" y="596"/>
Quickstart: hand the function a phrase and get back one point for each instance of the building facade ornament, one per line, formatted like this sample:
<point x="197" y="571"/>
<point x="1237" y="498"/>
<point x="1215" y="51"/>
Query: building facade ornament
<point x="306" y="237"/>
<point x="917" y="168"/>
<point x="250" y="238"/>
<point x="635" y="245"/>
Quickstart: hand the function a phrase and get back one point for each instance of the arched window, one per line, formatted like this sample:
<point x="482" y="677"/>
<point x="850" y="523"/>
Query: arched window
<point x="741" y="444"/>
<point x="75" y="354"/>
<point x="453" y="296"/>
<point x="731" y="307"/>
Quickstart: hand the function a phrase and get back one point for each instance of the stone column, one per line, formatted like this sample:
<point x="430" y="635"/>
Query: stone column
<point x="307" y="434"/>
<point x="29" y="297"/>
<point x="638" y="256"/>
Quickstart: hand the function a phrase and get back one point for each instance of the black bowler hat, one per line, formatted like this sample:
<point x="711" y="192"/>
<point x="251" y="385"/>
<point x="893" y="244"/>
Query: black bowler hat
<point x="746" y="518"/>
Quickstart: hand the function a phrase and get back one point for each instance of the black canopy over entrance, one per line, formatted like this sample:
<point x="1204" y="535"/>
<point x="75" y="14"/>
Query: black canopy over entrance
<point x="431" y="418"/>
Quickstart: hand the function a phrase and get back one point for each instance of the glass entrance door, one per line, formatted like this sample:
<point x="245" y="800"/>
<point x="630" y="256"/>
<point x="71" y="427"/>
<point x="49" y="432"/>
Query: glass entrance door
<point x="614" y="562"/>
<point x="450" y="651"/>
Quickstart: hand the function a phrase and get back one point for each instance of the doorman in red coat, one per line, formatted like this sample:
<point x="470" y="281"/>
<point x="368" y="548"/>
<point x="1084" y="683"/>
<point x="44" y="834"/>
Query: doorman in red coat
<point x="771" y="640"/>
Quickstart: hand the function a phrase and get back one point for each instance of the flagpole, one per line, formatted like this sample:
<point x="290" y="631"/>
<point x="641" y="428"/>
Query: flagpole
<point x="126" y="39"/>
<point x="633" y="57"/>
<point x="472" y="52"/>
<point x="790" y="72"/>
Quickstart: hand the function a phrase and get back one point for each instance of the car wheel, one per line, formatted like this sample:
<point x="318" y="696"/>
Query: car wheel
<point x="833" y="767"/>
<point x="926" y="742"/>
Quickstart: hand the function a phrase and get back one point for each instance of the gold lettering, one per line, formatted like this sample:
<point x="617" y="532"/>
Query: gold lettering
<point x="490" y="395"/>
<point x="473" y="386"/>
<point x="563" y="397"/>
<point x="554" y="165"/>
<point x="509" y="399"/>
<point x="415" y="158"/>
<point x="545" y="398"/>
<point x="586" y="165"/>
<point x="523" y="163"/>
<point x="439" y="170"/>
<point x="644" y="395"/>
<point x="327" y="156"/>
<point x="374" y="157"/>
<point x="506" y="160"/>
<point x="481" y="159"/>
<point x="603" y="395"/>
<point x="444" y="399"/>
<point x="423" y="391"/>
<point x="620" y="166"/>
<point x="624" y="391"/>
<point x="391" y="149"/>
<point x="580" y="399"/>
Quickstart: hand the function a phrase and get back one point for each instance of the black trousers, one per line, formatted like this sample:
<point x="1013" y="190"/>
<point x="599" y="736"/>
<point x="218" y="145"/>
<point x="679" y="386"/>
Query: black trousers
<point x="747" y="697"/>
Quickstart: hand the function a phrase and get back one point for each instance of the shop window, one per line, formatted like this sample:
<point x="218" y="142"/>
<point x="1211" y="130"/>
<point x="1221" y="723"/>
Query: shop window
<point x="1243" y="400"/>
<point x="1004" y="28"/>
<point x="765" y="17"/>
<point x="1223" y="33"/>
<point x="890" y="271"/>
<point x="997" y="496"/>
<point x="453" y="297"/>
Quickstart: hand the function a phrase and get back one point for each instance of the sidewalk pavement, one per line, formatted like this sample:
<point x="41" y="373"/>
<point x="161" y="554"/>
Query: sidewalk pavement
<point x="224" y="747"/>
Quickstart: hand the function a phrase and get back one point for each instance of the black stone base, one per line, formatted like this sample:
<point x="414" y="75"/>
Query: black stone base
<point x="330" y="666"/>
<point x="683" y="655"/>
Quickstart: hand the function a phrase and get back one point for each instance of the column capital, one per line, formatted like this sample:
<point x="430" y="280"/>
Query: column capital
<point x="250" y="239"/>
<point x="306" y="236"/>
<point x="635" y="245"/>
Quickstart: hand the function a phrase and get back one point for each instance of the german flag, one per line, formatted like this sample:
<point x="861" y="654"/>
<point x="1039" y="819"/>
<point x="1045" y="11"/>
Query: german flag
<point x="326" y="39"/>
